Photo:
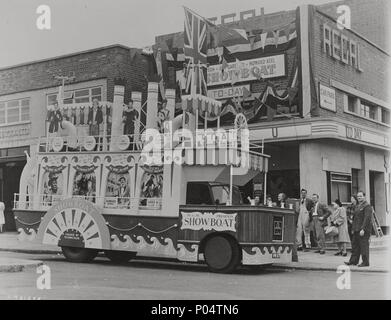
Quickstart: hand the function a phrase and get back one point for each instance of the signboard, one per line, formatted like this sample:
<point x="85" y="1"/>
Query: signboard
<point x="247" y="70"/>
<point x="278" y="228"/>
<point x="327" y="98"/>
<point x="208" y="221"/>
<point x="225" y="93"/>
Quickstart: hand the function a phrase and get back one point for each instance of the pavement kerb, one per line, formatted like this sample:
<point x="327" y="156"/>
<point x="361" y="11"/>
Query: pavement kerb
<point x="20" y="265"/>
<point x="334" y="269"/>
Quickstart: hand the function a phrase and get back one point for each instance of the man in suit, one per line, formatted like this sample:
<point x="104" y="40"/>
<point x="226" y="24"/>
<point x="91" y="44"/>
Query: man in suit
<point x="303" y="222"/>
<point x="318" y="216"/>
<point x="361" y="228"/>
<point x="123" y="192"/>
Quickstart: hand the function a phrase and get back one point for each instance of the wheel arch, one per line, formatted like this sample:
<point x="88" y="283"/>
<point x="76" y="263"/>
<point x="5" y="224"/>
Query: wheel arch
<point x="214" y="234"/>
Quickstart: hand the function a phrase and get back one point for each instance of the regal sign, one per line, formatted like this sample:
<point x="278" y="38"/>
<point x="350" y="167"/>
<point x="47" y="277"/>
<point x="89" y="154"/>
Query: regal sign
<point x="248" y="70"/>
<point x="208" y="221"/>
<point x="340" y="47"/>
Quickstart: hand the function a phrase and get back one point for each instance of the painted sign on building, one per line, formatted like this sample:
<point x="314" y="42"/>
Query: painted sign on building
<point x="225" y="93"/>
<point x="247" y="70"/>
<point x="208" y="221"/>
<point x="340" y="47"/>
<point x="327" y="98"/>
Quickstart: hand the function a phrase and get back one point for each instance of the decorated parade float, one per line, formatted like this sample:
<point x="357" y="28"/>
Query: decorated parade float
<point x="162" y="184"/>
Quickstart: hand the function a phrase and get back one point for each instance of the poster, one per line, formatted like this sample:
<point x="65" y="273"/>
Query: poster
<point x="52" y="187"/>
<point x="151" y="187"/>
<point x="117" y="190"/>
<point x="85" y="185"/>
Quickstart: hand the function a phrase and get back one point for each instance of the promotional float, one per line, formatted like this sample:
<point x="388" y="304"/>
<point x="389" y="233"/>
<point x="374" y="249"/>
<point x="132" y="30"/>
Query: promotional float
<point x="101" y="193"/>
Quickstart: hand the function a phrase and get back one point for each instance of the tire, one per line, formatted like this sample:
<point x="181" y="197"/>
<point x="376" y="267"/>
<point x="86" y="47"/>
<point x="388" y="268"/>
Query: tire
<point x="120" y="256"/>
<point x="74" y="254"/>
<point x="222" y="254"/>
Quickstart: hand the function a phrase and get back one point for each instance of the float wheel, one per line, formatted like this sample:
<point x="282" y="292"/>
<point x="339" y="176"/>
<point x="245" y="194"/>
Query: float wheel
<point x="222" y="254"/>
<point x="74" y="254"/>
<point x="120" y="256"/>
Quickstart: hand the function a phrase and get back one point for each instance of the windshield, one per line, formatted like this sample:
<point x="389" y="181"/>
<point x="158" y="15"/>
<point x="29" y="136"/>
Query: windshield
<point x="221" y="194"/>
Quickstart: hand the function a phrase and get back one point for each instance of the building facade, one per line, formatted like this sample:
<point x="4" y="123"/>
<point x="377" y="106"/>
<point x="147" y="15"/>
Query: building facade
<point x="27" y="90"/>
<point x="333" y="138"/>
<point x="327" y="126"/>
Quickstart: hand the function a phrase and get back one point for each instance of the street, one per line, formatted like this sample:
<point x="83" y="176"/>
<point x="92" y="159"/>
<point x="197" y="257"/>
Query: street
<point x="152" y="280"/>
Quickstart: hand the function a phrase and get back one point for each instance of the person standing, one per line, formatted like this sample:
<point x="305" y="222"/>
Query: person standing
<point x="349" y="214"/>
<point x="339" y="220"/>
<point x="319" y="216"/>
<point x="129" y="118"/>
<point x="95" y="118"/>
<point x="361" y="228"/>
<point x="303" y="222"/>
<point x="2" y="218"/>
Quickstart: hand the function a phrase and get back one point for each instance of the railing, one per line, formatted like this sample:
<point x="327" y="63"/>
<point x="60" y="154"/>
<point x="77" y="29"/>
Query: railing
<point x="90" y="143"/>
<point x="45" y="202"/>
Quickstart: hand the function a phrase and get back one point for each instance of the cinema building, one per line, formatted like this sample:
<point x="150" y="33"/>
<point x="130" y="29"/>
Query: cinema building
<point x="326" y="128"/>
<point x="26" y="91"/>
<point x="331" y="134"/>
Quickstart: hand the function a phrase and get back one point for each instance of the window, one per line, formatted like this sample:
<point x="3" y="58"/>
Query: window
<point x="367" y="110"/>
<point x="14" y="111"/>
<point x="339" y="186"/>
<point x="352" y="104"/>
<point x="385" y="116"/>
<point x="77" y="96"/>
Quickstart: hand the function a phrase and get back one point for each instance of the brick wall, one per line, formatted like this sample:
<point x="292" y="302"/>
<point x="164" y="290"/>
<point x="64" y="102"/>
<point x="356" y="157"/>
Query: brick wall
<point x="110" y="63"/>
<point x="372" y="80"/>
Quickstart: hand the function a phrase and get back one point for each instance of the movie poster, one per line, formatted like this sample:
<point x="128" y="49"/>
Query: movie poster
<point x="85" y="185"/>
<point x="117" y="190"/>
<point x="52" y="187"/>
<point x="152" y="187"/>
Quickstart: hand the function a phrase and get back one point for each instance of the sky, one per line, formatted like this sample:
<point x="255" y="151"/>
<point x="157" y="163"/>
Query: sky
<point x="78" y="25"/>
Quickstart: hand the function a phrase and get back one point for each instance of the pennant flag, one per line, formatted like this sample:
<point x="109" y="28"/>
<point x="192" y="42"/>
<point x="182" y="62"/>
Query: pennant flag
<point x="276" y="34"/>
<point x="246" y="93"/>
<point x="159" y="68"/>
<point x="242" y="33"/>
<point x="224" y="65"/>
<point x="263" y="40"/>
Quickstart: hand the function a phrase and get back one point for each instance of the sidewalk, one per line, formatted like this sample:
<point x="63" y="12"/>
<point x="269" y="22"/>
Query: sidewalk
<point x="379" y="258"/>
<point x="17" y="265"/>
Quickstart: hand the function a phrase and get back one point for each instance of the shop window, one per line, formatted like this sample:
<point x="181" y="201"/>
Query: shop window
<point x="339" y="186"/>
<point x="14" y="111"/>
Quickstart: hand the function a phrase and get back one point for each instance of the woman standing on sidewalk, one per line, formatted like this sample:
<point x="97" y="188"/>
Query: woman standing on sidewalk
<point x="339" y="220"/>
<point x="2" y="219"/>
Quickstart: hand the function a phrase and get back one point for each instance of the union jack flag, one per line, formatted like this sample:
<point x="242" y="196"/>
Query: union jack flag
<point x="195" y="50"/>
